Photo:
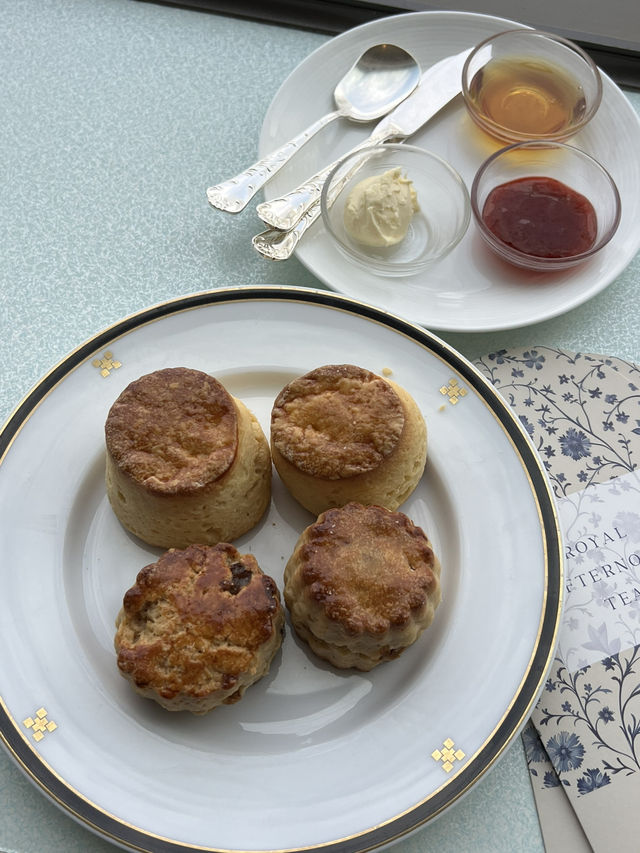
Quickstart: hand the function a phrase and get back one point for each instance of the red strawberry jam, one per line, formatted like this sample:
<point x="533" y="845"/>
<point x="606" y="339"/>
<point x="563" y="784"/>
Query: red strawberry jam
<point x="541" y="217"/>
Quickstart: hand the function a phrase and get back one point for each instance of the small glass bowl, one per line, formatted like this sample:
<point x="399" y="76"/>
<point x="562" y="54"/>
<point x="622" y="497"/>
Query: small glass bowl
<point x="527" y="84"/>
<point x="558" y="161"/>
<point x="433" y="231"/>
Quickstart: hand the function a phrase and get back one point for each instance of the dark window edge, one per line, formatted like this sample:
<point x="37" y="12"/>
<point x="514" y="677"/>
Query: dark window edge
<point x="331" y="18"/>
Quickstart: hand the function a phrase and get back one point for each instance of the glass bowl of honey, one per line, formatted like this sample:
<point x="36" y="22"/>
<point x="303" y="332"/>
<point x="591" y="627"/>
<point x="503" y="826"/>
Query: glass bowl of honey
<point x="544" y="205"/>
<point x="527" y="84"/>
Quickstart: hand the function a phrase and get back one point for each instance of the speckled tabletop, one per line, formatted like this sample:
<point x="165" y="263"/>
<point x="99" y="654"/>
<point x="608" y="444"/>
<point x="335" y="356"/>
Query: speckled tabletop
<point x="115" y="117"/>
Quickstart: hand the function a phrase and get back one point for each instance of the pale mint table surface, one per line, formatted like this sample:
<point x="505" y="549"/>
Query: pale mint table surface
<point x="115" y="116"/>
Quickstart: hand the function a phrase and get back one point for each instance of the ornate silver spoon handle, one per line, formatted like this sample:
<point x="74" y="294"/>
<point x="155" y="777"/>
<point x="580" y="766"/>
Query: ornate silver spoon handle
<point x="285" y="212"/>
<point x="234" y="195"/>
<point x="280" y="245"/>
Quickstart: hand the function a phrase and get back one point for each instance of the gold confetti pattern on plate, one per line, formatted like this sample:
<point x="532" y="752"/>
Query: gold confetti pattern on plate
<point x="40" y="724"/>
<point x="106" y="364"/>
<point x="447" y="755"/>
<point x="453" y="391"/>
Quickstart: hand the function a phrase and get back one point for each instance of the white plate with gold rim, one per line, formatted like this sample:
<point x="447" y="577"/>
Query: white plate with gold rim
<point x="469" y="290"/>
<point x="312" y="756"/>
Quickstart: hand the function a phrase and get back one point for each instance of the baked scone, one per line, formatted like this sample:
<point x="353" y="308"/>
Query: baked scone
<point x="341" y="433"/>
<point x="361" y="585"/>
<point x="198" y="627"/>
<point x="186" y="462"/>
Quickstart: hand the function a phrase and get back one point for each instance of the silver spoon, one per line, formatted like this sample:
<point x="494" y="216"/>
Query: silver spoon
<point x="380" y="79"/>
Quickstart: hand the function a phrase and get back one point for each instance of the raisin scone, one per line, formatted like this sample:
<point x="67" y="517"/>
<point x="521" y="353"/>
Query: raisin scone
<point x="198" y="627"/>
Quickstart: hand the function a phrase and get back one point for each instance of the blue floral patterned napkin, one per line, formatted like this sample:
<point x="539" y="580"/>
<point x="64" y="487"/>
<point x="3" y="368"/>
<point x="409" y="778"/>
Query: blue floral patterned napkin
<point x="582" y="413"/>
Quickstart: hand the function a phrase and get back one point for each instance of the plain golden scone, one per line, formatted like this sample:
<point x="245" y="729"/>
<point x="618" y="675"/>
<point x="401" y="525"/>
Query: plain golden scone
<point x="198" y="627"/>
<point x="341" y="433"/>
<point x="186" y="462"/>
<point x="361" y="585"/>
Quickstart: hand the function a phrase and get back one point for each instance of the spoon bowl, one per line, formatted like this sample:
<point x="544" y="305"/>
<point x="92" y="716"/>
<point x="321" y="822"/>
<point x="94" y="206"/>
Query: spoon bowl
<point x="382" y="77"/>
<point x="376" y="83"/>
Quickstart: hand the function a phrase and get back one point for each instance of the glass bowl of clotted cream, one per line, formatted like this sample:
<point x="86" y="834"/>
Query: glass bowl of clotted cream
<point x="395" y="209"/>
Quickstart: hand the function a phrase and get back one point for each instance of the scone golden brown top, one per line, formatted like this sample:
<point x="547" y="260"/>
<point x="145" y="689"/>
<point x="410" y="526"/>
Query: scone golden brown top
<point x="195" y="621"/>
<point x="337" y="421"/>
<point x="367" y="568"/>
<point x="173" y="430"/>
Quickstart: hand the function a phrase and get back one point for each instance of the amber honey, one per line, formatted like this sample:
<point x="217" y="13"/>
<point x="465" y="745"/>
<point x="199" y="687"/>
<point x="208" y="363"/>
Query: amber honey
<point x="529" y="97"/>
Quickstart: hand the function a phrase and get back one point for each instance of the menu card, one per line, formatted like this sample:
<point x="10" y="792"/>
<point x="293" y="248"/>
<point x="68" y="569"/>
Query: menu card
<point x="582" y="412"/>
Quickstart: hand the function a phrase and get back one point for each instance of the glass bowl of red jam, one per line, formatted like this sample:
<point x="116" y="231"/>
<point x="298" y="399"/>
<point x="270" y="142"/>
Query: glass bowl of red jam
<point x="527" y="84"/>
<point x="544" y="205"/>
